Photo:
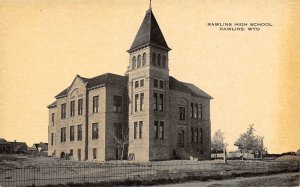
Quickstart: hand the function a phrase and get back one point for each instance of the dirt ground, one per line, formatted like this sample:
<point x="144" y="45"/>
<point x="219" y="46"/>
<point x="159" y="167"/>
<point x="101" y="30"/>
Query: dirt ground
<point x="283" y="179"/>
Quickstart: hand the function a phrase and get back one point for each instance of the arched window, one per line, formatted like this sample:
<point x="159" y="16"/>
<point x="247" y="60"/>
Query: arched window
<point x="133" y="62"/>
<point x="164" y="62"/>
<point x="158" y="60"/>
<point x="154" y="59"/>
<point x="144" y="59"/>
<point x="180" y="138"/>
<point x="139" y="61"/>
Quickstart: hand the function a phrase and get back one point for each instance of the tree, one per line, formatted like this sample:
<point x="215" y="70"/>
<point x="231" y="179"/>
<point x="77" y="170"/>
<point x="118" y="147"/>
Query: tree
<point x="121" y="137"/>
<point x="259" y="147"/>
<point x="246" y="141"/>
<point x="217" y="142"/>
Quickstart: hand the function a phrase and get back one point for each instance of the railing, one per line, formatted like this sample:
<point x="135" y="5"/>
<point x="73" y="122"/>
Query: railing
<point x="101" y="172"/>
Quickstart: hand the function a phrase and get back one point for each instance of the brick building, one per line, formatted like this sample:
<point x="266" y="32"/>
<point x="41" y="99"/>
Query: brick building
<point x="165" y="118"/>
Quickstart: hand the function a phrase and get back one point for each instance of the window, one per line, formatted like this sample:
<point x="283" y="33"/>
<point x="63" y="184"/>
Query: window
<point x="94" y="153"/>
<point x="80" y="106"/>
<point x="155" y="83"/>
<point x="52" y="138"/>
<point x="63" y="135"/>
<point x="135" y="130"/>
<point x="140" y="129"/>
<point x="71" y="133"/>
<point x="141" y="101"/>
<point x="158" y="60"/>
<point x="155" y="101"/>
<point x="79" y="132"/>
<point x="72" y="108"/>
<point x="161" y="84"/>
<point x="161" y="130"/>
<point x="192" y="111"/>
<point x="95" y="104"/>
<point x="180" y="138"/>
<point x="161" y="102"/>
<point x="181" y="113"/>
<point x="136" y="84"/>
<point x="201" y="135"/>
<point x="144" y="59"/>
<point x="142" y="83"/>
<point x="136" y="98"/>
<point x="196" y="111"/>
<point x="95" y="131"/>
<point x="200" y="111"/>
<point x="133" y="62"/>
<point x="117" y="103"/>
<point x="153" y="59"/>
<point x="118" y="130"/>
<point x="164" y="62"/>
<point x="63" y="111"/>
<point x="52" y="118"/>
<point x="196" y="134"/>
<point x="192" y="134"/>
<point x="79" y="154"/>
<point x="71" y="152"/>
<point x="156" y="129"/>
<point x="139" y="61"/>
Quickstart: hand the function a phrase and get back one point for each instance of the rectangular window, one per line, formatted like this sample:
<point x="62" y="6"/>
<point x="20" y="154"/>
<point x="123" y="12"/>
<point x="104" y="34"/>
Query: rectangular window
<point x="79" y="132"/>
<point x="155" y="83"/>
<point x="192" y="134"/>
<point x="141" y="101"/>
<point x="201" y="135"/>
<point x="95" y="131"/>
<point x="79" y="154"/>
<point x="161" y="102"/>
<point x="181" y="113"/>
<point x="117" y="103"/>
<point x="63" y="134"/>
<point x="196" y="111"/>
<point x="80" y="106"/>
<point x="142" y="83"/>
<point x="136" y="84"/>
<point x="71" y="133"/>
<point x="136" y="99"/>
<point x="95" y="104"/>
<point x="196" y="134"/>
<point x="118" y="130"/>
<point x="156" y="129"/>
<point x="192" y="111"/>
<point x="52" y="138"/>
<point x="155" y="101"/>
<point x="135" y="130"/>
<point x="94" y="153"/>
<point x="161" y="84"/>
<point x="200" y="111"/>
<point x="63" y="111"/>
<point x="52" y="118"/>
<point x="161" y="130"/>
<point x="71" y="152"/>
<point x="140" y="129"/>
<point x="72" y="108"/>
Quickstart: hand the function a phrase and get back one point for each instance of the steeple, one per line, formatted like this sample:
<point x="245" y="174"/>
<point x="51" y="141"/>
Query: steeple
<point x="149" y="33"/>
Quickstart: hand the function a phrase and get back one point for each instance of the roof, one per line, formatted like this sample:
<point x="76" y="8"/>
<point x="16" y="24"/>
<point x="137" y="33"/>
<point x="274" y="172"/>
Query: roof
<point x="104" y="79"/>
<point x="52" y="105"/>
<point x="3" y="140"/>
<point x="149" y="33"/>
<point x="175" y="84"/>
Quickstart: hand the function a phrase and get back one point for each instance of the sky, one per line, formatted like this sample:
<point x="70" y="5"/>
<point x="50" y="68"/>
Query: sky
<point x="253" y="76"/>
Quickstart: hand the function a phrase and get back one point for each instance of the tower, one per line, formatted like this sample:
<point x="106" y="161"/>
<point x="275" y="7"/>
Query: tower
<point x="148" y="92"/>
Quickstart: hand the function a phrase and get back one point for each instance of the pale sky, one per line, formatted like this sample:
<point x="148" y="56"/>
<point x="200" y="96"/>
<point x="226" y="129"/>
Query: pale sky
<point x="252" y="75"/>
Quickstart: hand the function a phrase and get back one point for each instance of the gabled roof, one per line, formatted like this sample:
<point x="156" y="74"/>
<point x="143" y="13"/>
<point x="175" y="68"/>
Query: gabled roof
<point x="149" y="33"/>
<point x="175" y="84"/>
<point x="104" y="79"/>
<point x="52" y="105"/>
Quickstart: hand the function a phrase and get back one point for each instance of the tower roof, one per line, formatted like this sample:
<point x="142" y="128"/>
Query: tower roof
<point x="149" y="33"/>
